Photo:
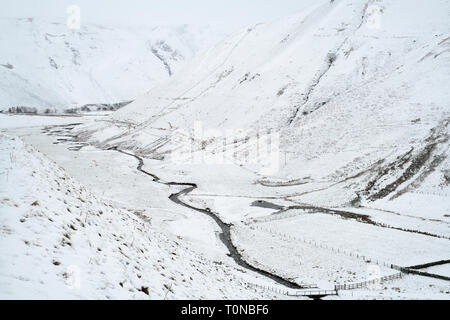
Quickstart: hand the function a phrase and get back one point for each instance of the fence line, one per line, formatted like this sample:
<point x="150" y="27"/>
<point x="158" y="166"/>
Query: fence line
<point x="319" y="292"/>
<point x="364" y="284"/>
<point x="324" y="246"/>
<point x="431" y="193"/>
<point x="294" y="212"/>
<point x="279" y="216"/>
<point x="350" y="286"/>
<point x="295" y="293"/>
<point x="269" y="288"/>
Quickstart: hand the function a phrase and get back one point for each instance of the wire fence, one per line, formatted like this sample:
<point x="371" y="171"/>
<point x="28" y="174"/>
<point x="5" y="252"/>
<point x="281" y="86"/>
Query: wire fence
<point x="346" y="286"/>
<point x="280" y="216"/>
<point x="326" y="247"/>
<point x="294" y="292"/>
<point x="365" y="284"/>
<point x="445" y="195"/>
<point x="322" y="292"/>
<point x="269" y="288"/>
<point x="295" y="212"/>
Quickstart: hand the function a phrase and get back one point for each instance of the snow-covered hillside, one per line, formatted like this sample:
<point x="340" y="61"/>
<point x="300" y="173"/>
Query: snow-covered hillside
<point x="356" y="88"/>
<point x="351" y="98"/>
<point x="44" y="64"/>
<point x="60" y="241"/>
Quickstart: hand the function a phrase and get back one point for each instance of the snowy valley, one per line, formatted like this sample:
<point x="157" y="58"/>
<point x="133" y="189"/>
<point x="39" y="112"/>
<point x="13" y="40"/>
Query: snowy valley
<point x="300" y="158"/>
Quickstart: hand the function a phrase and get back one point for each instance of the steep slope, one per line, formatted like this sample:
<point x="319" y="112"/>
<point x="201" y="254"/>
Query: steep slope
<point x="356" y="89"/>
<point x="47" y="65"/>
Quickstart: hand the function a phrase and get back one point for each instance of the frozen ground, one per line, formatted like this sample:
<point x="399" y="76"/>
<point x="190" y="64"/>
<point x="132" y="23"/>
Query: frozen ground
<point x="359" y="188"/>
<point x="59" y="240"/>
<point x="177" y="242"/>
<point x="396" y="247"/>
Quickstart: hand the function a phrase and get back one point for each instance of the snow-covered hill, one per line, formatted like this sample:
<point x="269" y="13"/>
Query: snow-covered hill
<point x="60" y="241"/>
<point x="44" y="64"/>
<point x="358" y="187"/>
<point x="356" y="88"/>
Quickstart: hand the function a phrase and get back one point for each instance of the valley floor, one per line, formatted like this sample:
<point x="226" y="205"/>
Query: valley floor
<point x="80" y="222"/>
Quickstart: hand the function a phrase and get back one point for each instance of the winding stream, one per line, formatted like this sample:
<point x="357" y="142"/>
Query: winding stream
<point x="224" y="236"/>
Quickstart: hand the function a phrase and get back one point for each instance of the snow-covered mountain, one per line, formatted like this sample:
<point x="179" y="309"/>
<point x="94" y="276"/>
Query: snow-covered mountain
<point x="352" y="195"/>
<point x="45" y="64"/>
<point x="356" y="88"/>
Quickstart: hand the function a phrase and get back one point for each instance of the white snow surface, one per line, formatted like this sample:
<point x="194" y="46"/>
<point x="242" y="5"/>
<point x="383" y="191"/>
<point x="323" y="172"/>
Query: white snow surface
<point x="46" y="65"/>
<point x="60" y="241"/>
<point x="131" y="202"/>
<point x="357" y="90"/>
